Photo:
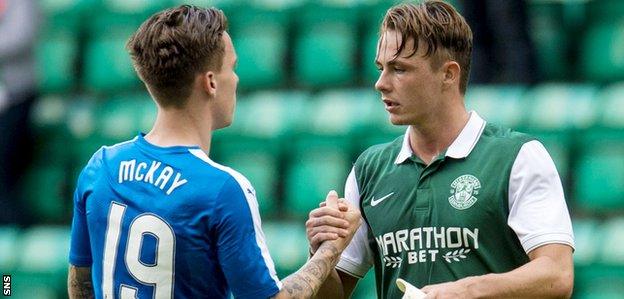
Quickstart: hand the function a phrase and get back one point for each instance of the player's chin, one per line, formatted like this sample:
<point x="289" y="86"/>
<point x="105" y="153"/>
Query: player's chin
<point x="224" y="124"/>
<point x="397" y="120"/>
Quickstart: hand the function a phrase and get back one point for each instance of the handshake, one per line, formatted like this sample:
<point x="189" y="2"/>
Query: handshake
<point x="334" y="221"/>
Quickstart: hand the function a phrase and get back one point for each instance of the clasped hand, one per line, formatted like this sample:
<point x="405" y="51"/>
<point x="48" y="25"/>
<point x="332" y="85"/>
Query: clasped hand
<point x="334" y="220"/>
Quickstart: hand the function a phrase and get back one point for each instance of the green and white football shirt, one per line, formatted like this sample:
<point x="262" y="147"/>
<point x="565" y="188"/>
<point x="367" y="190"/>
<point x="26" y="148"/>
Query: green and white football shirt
<point x="478" y="208"/>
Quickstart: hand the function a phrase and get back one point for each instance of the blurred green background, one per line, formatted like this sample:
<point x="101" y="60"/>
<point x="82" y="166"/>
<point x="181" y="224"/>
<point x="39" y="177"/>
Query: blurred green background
<point x="306" y="108"/>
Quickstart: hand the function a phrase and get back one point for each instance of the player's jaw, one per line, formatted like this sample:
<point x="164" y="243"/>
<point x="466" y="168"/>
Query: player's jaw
<point x="396" y="110"/>
<point x="406" y="110"/>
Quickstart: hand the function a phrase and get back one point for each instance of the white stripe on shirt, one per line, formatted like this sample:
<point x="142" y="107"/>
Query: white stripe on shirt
<point x="253" y="208"/>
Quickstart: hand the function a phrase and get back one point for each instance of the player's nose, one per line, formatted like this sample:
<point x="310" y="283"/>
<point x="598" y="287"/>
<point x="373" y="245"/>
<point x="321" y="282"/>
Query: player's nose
<point x="382" y="83"/>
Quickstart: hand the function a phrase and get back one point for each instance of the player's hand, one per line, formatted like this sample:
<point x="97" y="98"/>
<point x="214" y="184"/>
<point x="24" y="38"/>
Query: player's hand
<point x="327" y="223"/>
<point x="447" y="290"/>
<point x="352" y="216"/>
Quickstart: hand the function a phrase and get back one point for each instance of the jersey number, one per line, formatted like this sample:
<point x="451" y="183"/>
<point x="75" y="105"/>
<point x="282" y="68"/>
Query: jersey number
<point x="160" y="274"/>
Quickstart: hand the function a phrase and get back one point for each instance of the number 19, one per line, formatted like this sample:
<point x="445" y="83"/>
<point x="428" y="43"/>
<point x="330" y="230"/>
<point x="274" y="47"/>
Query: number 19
<point x="160" y="274"/>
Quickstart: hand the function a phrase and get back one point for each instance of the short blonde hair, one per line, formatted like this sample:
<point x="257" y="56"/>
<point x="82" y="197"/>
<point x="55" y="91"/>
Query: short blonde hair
<point x="443" y="30"/>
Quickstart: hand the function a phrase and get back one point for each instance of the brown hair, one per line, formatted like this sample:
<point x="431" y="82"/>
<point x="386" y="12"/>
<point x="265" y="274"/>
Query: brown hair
<point x="444" y="31"/>
<point x="173" y="46"/>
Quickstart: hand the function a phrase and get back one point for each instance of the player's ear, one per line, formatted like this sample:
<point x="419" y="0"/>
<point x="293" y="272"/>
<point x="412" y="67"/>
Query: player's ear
<point x="451" y="72"/>
<point x="209" y="83"/>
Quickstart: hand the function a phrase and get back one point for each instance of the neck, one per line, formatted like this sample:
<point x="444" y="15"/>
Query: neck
<point x="434" y="135"/>
<point x="181" y="127"/>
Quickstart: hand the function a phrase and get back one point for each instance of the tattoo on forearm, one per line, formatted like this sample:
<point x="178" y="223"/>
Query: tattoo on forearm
<point x="306" y="282"/>
<point x="79" y="283"/>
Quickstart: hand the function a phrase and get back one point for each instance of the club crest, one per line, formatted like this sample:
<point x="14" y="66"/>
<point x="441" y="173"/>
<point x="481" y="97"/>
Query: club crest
<point x="463" y="190"/>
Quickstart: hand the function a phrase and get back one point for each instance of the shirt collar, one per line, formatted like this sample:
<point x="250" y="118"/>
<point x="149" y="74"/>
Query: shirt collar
<point x="460" y="148"/>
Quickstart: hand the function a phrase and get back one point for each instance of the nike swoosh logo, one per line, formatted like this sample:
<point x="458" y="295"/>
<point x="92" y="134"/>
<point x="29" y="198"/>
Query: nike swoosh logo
<point x="376" y="202"/>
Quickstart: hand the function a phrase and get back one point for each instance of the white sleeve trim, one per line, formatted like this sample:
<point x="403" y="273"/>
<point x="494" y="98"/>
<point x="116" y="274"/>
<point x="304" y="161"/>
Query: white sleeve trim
<point x="549" y="238"/>
<point x="357" y="258"/>
<point x="538" y="213"/>
<point x="352" y="268"/>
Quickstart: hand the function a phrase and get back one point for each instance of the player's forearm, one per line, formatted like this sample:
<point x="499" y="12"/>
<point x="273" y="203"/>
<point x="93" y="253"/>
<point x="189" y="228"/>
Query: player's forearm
<point x="540" y="278"/>
<point x="306" y="282"/>
<point x="79" y="284"/>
